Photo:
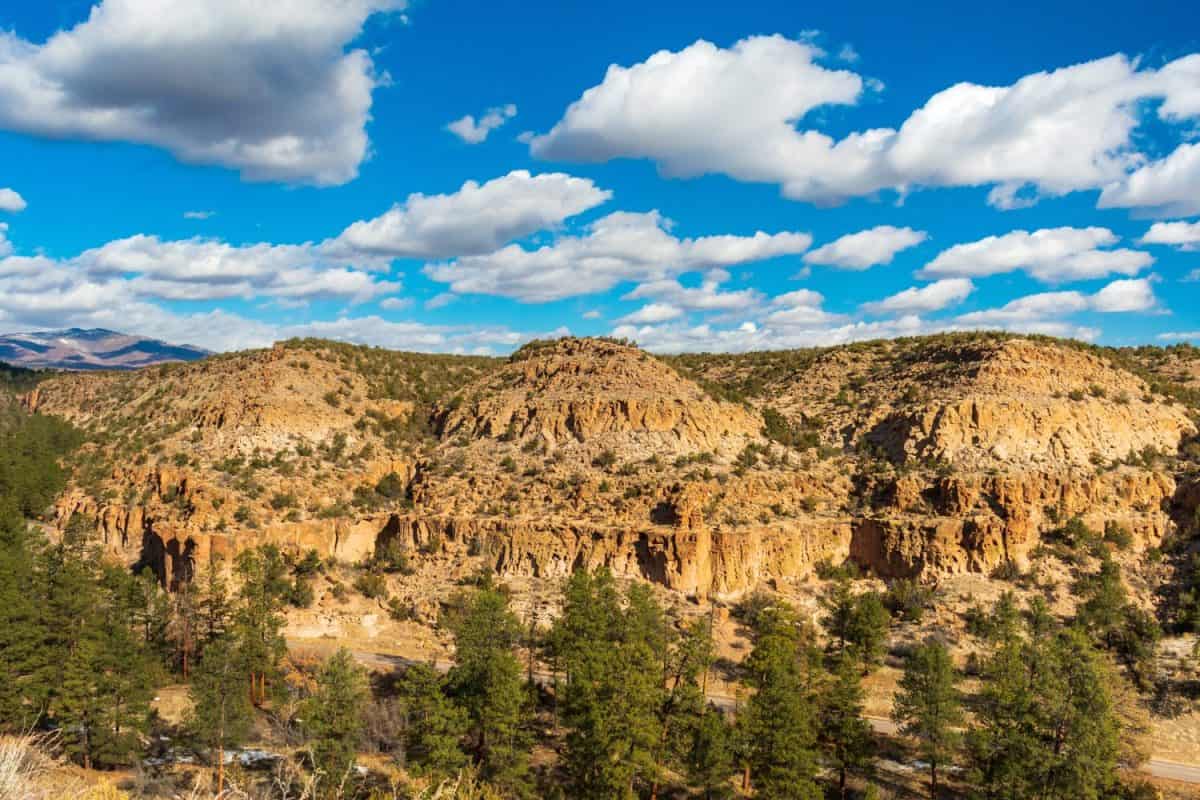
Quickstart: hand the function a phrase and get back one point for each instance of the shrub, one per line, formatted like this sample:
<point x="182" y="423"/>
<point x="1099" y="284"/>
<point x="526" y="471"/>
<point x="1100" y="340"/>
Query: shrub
<point x="605" y="460"/>
<point x="1117" y="535"/>
<point x="908" y="599"/>
<point x="391" y="486"/>
<point x="372" y="585"/>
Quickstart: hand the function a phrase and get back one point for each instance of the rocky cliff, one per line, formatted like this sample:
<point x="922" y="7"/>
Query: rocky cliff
<point x="707" y="474"/>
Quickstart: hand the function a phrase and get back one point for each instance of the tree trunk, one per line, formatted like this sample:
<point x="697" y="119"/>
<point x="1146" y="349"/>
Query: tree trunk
<point x="220" y="769"/>
<point x="746" y="779"/>
<point x="933" y="786"/>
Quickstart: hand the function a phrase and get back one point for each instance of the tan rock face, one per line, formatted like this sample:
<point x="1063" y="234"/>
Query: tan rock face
<point x="938" y="456"/>
<point x="577" y="390"/>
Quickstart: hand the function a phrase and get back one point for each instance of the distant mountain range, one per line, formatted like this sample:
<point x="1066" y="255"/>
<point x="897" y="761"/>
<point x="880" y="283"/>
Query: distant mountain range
<point x="93" y="349"/>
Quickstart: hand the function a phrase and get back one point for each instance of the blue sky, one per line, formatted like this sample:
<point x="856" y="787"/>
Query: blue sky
<point x="752" y="176"/>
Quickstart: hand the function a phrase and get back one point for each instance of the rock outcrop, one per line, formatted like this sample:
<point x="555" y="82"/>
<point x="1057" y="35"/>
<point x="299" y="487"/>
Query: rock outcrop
<point x="918" y="458"/>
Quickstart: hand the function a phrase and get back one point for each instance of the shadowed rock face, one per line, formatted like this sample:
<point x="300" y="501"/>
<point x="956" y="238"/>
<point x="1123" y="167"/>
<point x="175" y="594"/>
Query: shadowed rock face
<point x="935" y="458"/>
<point x="92" y="349"/>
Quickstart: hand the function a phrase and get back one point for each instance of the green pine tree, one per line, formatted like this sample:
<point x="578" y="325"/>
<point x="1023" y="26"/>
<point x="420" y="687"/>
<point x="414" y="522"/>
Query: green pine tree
<point x="257" y="617"/>
<point x="709" y="756"/>
<point x="845" y="733"/>
<point x="434" y="726"/>
<point x="333" y="719"/>
<point x="487" y="680"/>
<point x="929" y="708"/>
<point x="612" y="655"/>
<point x="23" y="664"/>
<point x="778" y="726"/>
<point x="222" y="714"/>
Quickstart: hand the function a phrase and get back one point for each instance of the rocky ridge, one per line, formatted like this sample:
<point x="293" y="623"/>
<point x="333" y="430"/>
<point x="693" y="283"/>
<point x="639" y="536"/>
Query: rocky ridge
<point x="707" y="474"/>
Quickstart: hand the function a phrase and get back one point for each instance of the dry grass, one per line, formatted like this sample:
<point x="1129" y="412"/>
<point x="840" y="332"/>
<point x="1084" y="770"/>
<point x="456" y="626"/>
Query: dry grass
<point x="27" y="772"/>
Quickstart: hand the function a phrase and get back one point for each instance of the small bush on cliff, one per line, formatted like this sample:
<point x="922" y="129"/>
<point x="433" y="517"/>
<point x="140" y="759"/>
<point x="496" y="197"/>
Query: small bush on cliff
<point x="372" y="585"/>
<point x="908" y="599"/>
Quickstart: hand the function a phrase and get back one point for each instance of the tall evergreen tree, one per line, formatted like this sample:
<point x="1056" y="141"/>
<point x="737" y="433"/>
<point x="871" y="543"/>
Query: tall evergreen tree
<point x="612" y="656"/>
<point x="333" y="719"/>
<point x="709" y="755"/>
<point x="434" y="726"/>
<point x="845" y="733"/>
<point x="23" y="662"/>
<point x="103" y="701"/>
<point x="1046" y="726"/>
<point x="928" y="706"/>
<point x="778" y="725"/>
<point x="855" y="623"/>
<point x="263" y="577"/>
<point x="221" y="710"/>
<point x="486" y="679"/>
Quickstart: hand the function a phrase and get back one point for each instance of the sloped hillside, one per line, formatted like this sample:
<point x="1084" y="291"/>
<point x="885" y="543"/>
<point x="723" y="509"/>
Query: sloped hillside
<point x="707" y="474"/>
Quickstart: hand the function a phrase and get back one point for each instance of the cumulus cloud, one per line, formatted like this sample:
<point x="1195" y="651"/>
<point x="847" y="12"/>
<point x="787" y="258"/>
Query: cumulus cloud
<point x="922" y="299"/>
<point x="652" y="313"/>
<point x="472" y="132"/>
<point x="269" y="89"/>
<point x="1052" y="255"/>
<point x="866" y="249"/>
<point x="744" y="112"/>
<point x="676" y="338"/>
<point x="708" y="296"/>
<point x="1184" y="235"/>
<point x="1166" y="187"/>
<point x="207" y="269"/>
<point x="620" y="247"/>
<point x="707" y="109"/>
<point x="476" y="219"/>
<point x="11" y="201"/>
<point x="1118" y="296"/>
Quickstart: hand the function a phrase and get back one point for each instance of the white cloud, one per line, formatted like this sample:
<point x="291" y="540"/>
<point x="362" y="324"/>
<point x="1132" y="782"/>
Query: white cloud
<point x="440" y="300"/>
<point x="1166" y="187"/>
<point x="1118" y="296"/>
<point x="743" y="112"/>
<point x="652" y="314"/>
<point x="1052" y="255"/>
<point x="146" y="267"/>
<point x="199" y="214"/>
<point x="592" y="314"/>
<point x="476" y="219"/>
<point x="707" y="109"/>
<point x="1182" y="95"/>
<point x="1179" y="336"/>
<point x="676" y="338"/>
<point x="269" y="89"/>
<point x="6" y="247"/>
<point x="212" y="265"/>
<point x="866" y="249"/>
<point x="933" y="297"/>
<point x="801" y="309"/>
<point x="395" y="303"/>
<point x="1184" y="235"/>
<point x="472" y="132"/>
<point x="705" y="297"/>
<point x="1124" y="296"/>
<point x="620" y="247"/>
<point x="11" y="201"/>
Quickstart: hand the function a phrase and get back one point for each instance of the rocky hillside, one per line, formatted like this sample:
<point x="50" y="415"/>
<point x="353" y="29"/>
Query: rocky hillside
<point x="707" y="474"/>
